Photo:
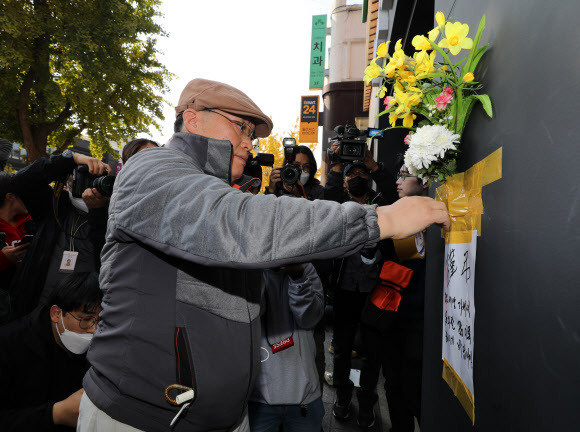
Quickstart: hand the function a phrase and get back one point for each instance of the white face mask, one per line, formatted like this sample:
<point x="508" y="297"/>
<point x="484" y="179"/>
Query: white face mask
<point x="76" y="343"/>
<point x="78" y="203"/>
<point x="304" y="177"/>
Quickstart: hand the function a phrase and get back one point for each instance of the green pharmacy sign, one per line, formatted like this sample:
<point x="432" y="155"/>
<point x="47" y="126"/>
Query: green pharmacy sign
<point x="317" y="51"/>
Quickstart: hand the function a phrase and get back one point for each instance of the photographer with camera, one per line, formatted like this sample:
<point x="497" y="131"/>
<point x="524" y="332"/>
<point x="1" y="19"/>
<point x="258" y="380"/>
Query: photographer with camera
<point x="70" y="223"/>
<point x="356" y="275"/>
<point x="296" y="176"/>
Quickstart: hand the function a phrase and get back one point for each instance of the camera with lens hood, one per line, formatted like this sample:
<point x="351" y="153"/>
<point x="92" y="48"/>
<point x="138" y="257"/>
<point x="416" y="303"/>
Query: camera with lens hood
<point x="83" y="179"/>
<point x="290" y="173"/>
<point x="353" y="144"/>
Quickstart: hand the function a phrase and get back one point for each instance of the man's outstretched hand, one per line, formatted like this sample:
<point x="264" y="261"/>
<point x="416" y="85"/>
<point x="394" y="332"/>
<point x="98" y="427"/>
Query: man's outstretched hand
<point x="411" y="215"/>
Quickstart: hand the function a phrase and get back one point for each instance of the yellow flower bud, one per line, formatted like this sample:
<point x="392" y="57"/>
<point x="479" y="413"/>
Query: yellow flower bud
<point x="383" y="49"/>
<point x="468" y="77"/>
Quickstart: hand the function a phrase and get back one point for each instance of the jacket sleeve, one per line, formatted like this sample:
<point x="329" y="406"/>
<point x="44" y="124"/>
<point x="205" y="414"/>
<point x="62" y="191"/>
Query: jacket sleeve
<point x="334" y="188"/>
<point x="32" y="418"/>
<point x="306" y="298"/>
<point x="169" y="204"/>
<point x="32" y="183"/>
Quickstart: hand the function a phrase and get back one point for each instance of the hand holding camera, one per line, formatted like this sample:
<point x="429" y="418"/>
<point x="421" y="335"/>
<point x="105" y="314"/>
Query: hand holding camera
<point x="95" y="167"/>
<point x="92" y="174"/>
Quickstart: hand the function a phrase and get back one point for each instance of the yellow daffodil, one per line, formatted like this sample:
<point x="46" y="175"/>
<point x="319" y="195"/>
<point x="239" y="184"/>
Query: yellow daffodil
<point x="407" y="77"/>
<point x="399" y="45"/>
<point x="433" y="34"/>
<point x="443" y="68"/>
<point x="382" y="92"/>
<point x="372" y="71"/>
<point x="468" y="77"/>
<point x="420" y="42"/>
<point x="383" y="49"/>
<point x="425" y="63"/>
<point x="397" y="61"/>
<point x="456" y="37"/>
<point x="440" y="18"/>
<point x="393" y="119"/>
<point x="408" y="120"/>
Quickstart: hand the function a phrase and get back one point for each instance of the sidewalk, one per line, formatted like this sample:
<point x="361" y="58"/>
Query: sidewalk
<point x="330" y="423"/>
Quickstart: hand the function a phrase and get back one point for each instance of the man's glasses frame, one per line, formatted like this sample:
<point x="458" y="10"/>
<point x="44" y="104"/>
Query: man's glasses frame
<point x="245" y="128"/>
<point x="404" y="175"/>
<point x="85" y="323"/>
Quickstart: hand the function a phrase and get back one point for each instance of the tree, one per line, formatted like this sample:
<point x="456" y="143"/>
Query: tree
<point x="68" y="67"/>
<point x="273" y="145"/>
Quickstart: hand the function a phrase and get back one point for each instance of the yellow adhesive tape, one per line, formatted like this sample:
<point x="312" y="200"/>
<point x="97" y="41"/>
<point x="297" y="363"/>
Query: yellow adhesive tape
<point x="406" y="249"/>
<point x="459" y="389"/>
<point x="461" y="193"/>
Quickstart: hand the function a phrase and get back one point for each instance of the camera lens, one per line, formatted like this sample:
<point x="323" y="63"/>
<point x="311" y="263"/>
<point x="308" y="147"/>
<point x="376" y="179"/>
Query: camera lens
<point x="290" y="174"/>
<point x="352" y="150"/>
<point x="104" y="184"/>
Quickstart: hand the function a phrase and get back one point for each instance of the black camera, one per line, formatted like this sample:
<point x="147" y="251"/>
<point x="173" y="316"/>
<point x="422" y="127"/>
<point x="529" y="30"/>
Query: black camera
<point x="353" y="144"/>
<point x="290" y="173"/>
<point x="82" y="180"/>
<point x="261" y="159"/>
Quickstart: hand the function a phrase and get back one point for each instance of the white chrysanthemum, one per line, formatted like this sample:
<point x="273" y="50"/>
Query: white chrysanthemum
<point x="427" y="145"/>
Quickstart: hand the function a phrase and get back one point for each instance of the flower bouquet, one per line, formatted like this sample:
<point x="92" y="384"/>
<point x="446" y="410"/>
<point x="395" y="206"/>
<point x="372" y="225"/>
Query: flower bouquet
<point x="433" y="99"/>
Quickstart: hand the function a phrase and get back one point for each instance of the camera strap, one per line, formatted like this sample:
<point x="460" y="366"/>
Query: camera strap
<point x="283" y="344"/>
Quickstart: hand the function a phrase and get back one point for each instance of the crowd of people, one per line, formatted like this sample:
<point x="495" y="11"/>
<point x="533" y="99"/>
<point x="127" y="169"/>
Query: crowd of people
<point x="182" y="299"/>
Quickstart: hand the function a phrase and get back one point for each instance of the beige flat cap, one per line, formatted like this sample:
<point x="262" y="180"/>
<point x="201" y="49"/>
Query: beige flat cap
<point x="200" y="94"/>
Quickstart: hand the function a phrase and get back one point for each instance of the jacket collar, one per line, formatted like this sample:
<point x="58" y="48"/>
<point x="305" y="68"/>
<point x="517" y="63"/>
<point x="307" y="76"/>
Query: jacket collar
<point x="214" y="156"/>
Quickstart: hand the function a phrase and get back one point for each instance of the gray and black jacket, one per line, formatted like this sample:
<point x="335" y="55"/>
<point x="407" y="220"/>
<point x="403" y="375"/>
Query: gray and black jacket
<point x="181" y="271"/>
<point x="290" y="308"/>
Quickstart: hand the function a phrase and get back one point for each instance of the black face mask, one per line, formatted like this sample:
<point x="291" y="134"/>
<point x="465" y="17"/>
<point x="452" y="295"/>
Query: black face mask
<point x="358" y="187"/>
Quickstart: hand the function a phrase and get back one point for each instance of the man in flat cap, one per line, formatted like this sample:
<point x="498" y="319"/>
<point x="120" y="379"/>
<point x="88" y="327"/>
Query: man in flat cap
<point x="181" y="269"/>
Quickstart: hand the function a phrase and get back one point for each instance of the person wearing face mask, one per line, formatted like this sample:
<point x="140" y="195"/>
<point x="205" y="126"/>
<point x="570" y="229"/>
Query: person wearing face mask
<point x="307" y="186"/>
<point x="356" y="276"/>
<point x="43" y="358"/>
<point x="70" y="231"/>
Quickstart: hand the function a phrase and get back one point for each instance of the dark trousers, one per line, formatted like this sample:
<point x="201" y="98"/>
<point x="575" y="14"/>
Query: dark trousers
<point x="400" y="351"/>
<point x="347" y="310"/>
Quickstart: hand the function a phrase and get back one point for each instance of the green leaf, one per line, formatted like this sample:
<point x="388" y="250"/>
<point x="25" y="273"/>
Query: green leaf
<point x="486" y="103"/>
<point x="475" y="44"/>
<point x="477" y="58"/>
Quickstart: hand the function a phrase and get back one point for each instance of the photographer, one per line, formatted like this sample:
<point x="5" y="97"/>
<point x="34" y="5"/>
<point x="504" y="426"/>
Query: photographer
<point x="337" y="189"/>
<point x="356" y="276"/>
<point x="70" y="230"/>
<point x="306" y="186"/>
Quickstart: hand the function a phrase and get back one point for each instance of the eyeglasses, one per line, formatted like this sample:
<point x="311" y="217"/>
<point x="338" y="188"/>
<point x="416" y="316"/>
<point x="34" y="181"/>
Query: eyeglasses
<point x="404" y="175"/>
<point x="85" y="323"/>
<point x="245" y="128"/>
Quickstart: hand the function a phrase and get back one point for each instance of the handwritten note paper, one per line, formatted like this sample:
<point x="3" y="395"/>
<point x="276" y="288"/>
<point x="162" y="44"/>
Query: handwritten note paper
<point x="459" y="316"/>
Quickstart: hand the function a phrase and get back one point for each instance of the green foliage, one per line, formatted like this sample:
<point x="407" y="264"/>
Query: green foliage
<point x="72" y="67"/>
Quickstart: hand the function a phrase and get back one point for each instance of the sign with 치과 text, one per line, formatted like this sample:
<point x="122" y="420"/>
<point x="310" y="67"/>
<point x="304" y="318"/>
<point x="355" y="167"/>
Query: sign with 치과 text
<point x="317" y="52"/>
<point x="309" y="119"/>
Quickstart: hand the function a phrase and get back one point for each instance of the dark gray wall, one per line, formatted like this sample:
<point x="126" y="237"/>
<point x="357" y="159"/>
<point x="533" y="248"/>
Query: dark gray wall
<point x="527" y="289"/>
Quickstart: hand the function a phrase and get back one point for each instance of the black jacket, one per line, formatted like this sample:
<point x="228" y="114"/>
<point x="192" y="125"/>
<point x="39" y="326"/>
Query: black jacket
<point x="35" y="373"/>
<point x="351" y="273"/>
<point x="32" y="184"/>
